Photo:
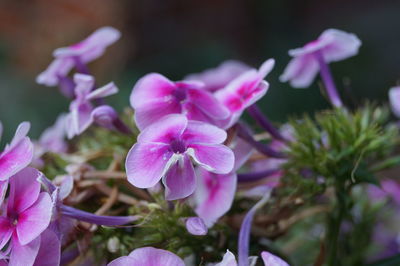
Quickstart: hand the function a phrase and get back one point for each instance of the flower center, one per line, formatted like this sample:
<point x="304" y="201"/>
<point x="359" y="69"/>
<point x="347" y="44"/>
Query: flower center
<point x="178" y="146"/>
<point x="179" y="94"/>
<point x="13" y="218"/>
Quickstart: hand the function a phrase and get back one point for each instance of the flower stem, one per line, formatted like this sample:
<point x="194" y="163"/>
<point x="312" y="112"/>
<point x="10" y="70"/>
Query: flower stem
<point x="263" y="121"/>
<point x="334" y="224"/>
<point x="244" y="133"/>
<point x="327" y="78"/>
<point x="255" y="176"/>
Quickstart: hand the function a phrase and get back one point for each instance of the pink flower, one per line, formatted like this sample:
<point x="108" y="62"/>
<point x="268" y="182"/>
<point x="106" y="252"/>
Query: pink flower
<point x="27" y="215"/>
<point x="394" y="99"/>
<point x="332" y="45"/>
<point x="154" y="96"/>
<point x="148" y="256"/>
<point x="163" y="151"/>
<point x="244" y="91"/>
<point x="217" y="78"/>
<point x="80" y="53"/>
<point x="80" y="116"/>
<point x="16" y="156"/>
<point x="215" y="193"/>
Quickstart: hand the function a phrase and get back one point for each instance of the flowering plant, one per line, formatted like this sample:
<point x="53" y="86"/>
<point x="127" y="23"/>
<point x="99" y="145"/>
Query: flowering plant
<point x="180" y="178"/>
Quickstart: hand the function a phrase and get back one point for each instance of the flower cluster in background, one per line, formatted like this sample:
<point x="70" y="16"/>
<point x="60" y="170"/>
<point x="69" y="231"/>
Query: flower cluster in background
<point x="182" y="178"/>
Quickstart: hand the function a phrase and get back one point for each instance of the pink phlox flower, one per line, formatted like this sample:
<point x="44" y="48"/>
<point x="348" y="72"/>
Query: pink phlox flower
<point x="215" y="193"/>
<point x="244" y="91"/>
<point x="27" y="215"/>
<point x="15" y="156"/>
<point x="217" y="78"/>
<point x="85" y="51"/>
<point x="154" y="96"/>
<point x="164" y="151"/>
<point x="148" y="256"/>
<point x="80" y="116"/>
<point x="53" y="138"/>
<point x="333" y="45"/>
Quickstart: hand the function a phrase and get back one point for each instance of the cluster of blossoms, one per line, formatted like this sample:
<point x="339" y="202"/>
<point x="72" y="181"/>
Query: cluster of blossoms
<point x="192" y="145"/>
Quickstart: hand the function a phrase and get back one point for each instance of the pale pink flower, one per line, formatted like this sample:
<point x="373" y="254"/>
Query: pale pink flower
<point x="148" y="256"/>
<point x="394" y="99"/>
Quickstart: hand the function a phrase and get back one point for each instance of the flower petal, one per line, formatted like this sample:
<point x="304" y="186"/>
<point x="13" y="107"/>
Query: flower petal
<point x="394" y="99"/>
<point x="6" y="230"/>
<point x="150" y="87"/>
<point x="50" y="250"/>
<point x="301" y="71"/>
<point x="228" y="260"/>
<point x="200" y="132"/>
<point x="341" y="45"/>
<point x="180" y="180"/>
<point x="33" y="221"/>
<point x="208" y="103"/>
<point x="84" y="84"/>
<point x="3" y="189"/>
<point x="215" y="158"/>
<point x="52" y="138"/>
<point x="149" y="256"/>
<point x="214" y="195"/>
<point x="60" y="67"/>
<point x="92" y="47"/>
<point x="24" y="255"/>
<point x="124" y="261"/>
<point x="217" y="78"/>
<point x="153" y="112"/>
<point x="24" y="190"/>
<point x="106" y="90"/>
<point x="272" y="260"/>
<point x="196" y="226"/>
<point x="147" y="163"/>
<point x="165" y="130"/>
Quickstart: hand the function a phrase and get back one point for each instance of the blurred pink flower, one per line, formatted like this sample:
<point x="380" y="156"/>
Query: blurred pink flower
<point x="394" y="99"/>
<point x="163" y="151"/>
<point x="154" y="96"/>
<point x="80" y="116"/>
<point x="148" y="256"/>
<point x="196" y="226"/>
<point x="217" y="78"/>
<point x="333" y="45"/>
<point x="77" y="54"/>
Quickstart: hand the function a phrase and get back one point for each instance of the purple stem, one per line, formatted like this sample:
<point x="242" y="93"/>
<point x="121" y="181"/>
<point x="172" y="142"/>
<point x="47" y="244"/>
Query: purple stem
<point x="261" y="147"/>
<point x="95" y="219"/>
<point x="255" y="176"/>
<point x="263" y="121"/>
<point x="80" y="66"/>
<point x="245" y="228"/>
<point x="327" y="78"/>
<point x="122" y="127"/>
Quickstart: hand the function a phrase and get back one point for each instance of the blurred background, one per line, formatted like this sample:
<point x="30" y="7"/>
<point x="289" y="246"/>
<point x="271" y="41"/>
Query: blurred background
<point x="176" y="37"/>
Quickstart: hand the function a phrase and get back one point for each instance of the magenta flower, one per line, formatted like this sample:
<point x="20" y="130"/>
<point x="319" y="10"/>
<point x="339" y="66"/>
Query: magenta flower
<point x="244" y="91"/>
<point x="78" y="54"/>
<point x="148" y="256"/>
<point x="154" y="96"/>
<point x="80" y="116"/>
<point x="16" y="156"/>
<point x="217" y="78"/>
<point x="333" y="45"/>
<point x="27" y="215"/>
<point x="196" y="226"/>
<point x="394" y="99"/>
<point x="163" y="151"/>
